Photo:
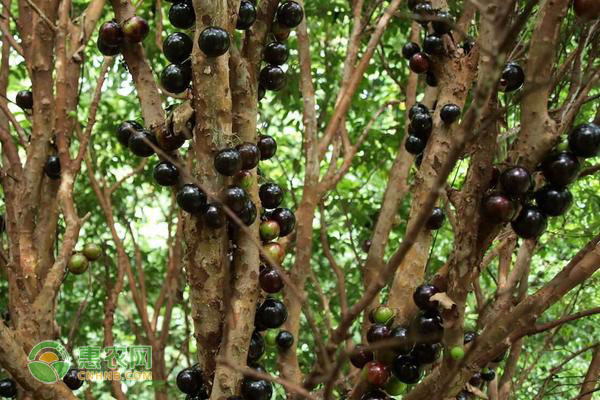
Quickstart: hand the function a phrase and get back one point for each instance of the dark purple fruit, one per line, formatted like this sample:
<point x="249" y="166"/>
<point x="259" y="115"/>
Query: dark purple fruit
<point x="423" y="12"/>
<point x="248" y="213"/>
<point x="175" y="79"/>
<point x="214" y="216"/>
<point x="584" y="140"/>
<point x="450" y="113"/>
<point x="168" y="140"/>
<point x="246" y="15"/>
<point x="488" y="375"/>
<point x="374" y="395"/>
<point x="52" y="167"/>
<point x="419" y="63"/>
<point x="126" y="129"/>
<point x="111" y="34"/>
<point x="410" y="49"/>
<point x="512" y="78"/>
<point x="290" y="14"/>
<point x="276" y="53"/>
<point x="498" y="208"/>
<point x="166" y="173"/>
<point x="135" y="29"/>
<point x="378" y="332"/>
<point x="377" y="373"/>
<point x="250" y="155"/>
<point x="417" y="108"/>
<point x="270" y="195"/>
<point x="269" y="230"/>
<point x="422" y="296"/>
<point x="271" y="314"/>
<point x="430" y="328"/>
<point x="530" y="223"/>
<point x="285" y="340"/>
<point x="427" y="353"/>
<point x="272" y="77"/>
<point x="8" y="388"/>
<point x="177" y="47"/>
<point x="402" y="341"/>
<point x="228" y="162"/>
<point x="72" y="380"/>
<point x="433" y="45"/>
<point x="415" y="145"/>
<point x="235" y="198"/>
<point x="475" y="379"/>
<point x="469" y="337"/>
<point x="406" y="368"/>
<point x="361" y="356"/>
<point x="463" y="395"/>
<point x="270" y="280"/>
<point x="140" y="143"/>
<point x="256" y="348"/>
<point x="286" y="220"/>
<point x="553" y="201"/>
<point x="436" y="220"/>
<point x="191" y="198"/>
<point x="267" y="146"/>
<point x="421" y="125"/>
<point x="442" y="22"/>
<point x="190" y="380"/>
<point x="560" y="169"/>
<point x="431" y="79"/>
<point x="515" y="181"/>
<point x="214" y="41"/>
<point x="253" y="389"/>
<point x="24" y="99"/>
<point x="106" y="50"/>
<point x="182" y="15"/>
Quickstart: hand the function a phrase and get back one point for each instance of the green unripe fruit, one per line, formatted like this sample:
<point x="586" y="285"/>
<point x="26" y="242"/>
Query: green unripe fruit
<point x="457" y="353"/>
<point x="383" y="315"/>
<point x="269" y="230"/>
<point x="271" y="337"/>
<point x="78" y="264"/>
<point x="92" y="251"/>
<point x="394" y="387"/>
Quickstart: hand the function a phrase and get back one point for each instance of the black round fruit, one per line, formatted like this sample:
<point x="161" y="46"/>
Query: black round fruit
<point x="424" y="11"/>
<point x="433" y="45"/>
<point x="378" y="332"/>
<point x="553" y="201"/>
<point x="272" y="77"/>
<point x="214" y="216"/>
<point x="406" y="368"/>
<point x="276" y="53"/>
<point x="431" y="79"/>
<point x="248" y="213"/>
<point x="182" y="15"/>
<point x="166" y="173"/>
<point x="235" y="198"/>
<point x="246" y="15"/>
<point x="410" y="49"/>
<point x="190" y="380"/>
<point x="256" y="348"/>
<point x="430" y="328"/>
<point x="530" y="223"/>
<point x="419" y="63"/>
<point x="270" y="195"/>
<point x="361" y="356"/>
<point x="271" y="314"/>
<point x="270" y="280"/>
<point x="228" y="162"/>
<point x="24" y="99"/>
<point x="111" y="34"/>
<point x="450" y="113"/>
<point x="469" y="337"/>
<point x="560" y="169"/>
<point x="52" y="167"/>
<point x="8" y="388"/>
<point x="422" y="297"/>
<point x="403" y="343"/>
<point x="253" y="389"/>
<point x="175" y="79"/>
<point x="421" y="125"/>
<point x="139" y="143"/>
<point x="285" y="340"/>
<point x="442" y="22"/>
<point x="417" y="108"/>
<point x="72" y="380"/>
<point x="376" y="394"/>
<point x="191" y="198"/>
<point x="177" y="47"/>
<point x="436" y="220"/>
<point x="214" y="41"/>
<point x="414" y="145"/>
<point x="290" y="14"/>
<point x="107" y="50"/>
<point x="250" y="155"/>
<point x="286" y="220"/>
<point x="584" y="140"/>
<point x="515" y="181"/>
<point x="427" y="353"/>
<point x="512" y="78"/>
<point x="463" y="395"/>
<point x="498" y="208"/>
<point x="126" y="129"/>
<point x="475" y="379"/>
<point x="488" y="375"/>
<point x="267" y="146"/>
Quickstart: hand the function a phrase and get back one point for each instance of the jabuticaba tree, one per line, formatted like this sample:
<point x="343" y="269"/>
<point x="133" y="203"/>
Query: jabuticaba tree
<point x="357" y="200"/>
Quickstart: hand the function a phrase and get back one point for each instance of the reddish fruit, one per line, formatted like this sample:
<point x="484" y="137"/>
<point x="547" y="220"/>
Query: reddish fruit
<point x="378" y="332"/>
<point x="269" y="230"/>
<point x="420" y="63"/>
<point x="498" y="208"/>
<point x="377" y="373"/>
<point x="275" y="251"/>
<point x="361" y="356"/>
<point x="515" y="181"/>
<point x="270" y="280"/>
<point x="135" y="29"/>
<point x="111" y="34"/>
<point x="244" y="179"/>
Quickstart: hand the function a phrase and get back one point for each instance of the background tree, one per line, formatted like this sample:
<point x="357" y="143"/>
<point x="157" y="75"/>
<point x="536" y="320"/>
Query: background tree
<point x="445" y="144"/>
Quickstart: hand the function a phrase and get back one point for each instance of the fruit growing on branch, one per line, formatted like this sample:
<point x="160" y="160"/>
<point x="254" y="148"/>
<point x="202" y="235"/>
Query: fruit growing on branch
<point x="166" y="173"/>
<point x="177" y="47"/>
<point x="140" y="143"/>
<point x="285" y="340"/>
<point x="436" y="220"/>
<point x="191" y="198"/>
<point x="214" y="41"/>
<point x="270" y="280"/>
<point x="584" y="140"/>
<point x="24" y="99"/>
<point x="182" y="15"/>
<point x="111" y="34"/>
<point x="135" y="29"/>
<point x="512" y="78"/>
<point x="246" y="15"/>
<point x="71" y="379"/>
<point x="290" y="14"/>
<point x="530" y="223"/>
<point x="92" y="251"/>
<point x="228" y="161"/>
<point x="78" y="264"/>
<point x="52" y="167"/>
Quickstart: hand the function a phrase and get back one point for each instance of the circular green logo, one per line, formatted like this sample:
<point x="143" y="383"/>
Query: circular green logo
<point x="48" y="361"/>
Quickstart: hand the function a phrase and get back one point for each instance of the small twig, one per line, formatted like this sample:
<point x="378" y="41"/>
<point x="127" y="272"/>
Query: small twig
<point x="41" y="14"/>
